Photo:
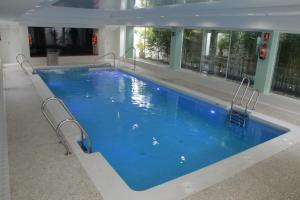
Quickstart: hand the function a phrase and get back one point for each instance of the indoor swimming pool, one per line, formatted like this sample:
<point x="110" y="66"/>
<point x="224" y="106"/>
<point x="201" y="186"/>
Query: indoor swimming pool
<point x="148" y="133"/>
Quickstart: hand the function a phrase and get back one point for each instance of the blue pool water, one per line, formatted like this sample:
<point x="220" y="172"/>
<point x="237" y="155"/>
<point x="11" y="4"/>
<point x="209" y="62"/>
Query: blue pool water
<point x="148" y="133"/>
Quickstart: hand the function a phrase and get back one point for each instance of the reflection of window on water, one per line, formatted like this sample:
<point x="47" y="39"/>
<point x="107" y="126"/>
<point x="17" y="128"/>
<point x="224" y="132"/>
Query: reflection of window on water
<point x="65" y="41"/>
<point x="286" y="78"/>
<point x="228" y="54"/>
<point x="152" y="44"/>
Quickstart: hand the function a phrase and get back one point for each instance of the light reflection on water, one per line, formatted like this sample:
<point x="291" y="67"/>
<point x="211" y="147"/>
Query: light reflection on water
<point x="138" y="98"/>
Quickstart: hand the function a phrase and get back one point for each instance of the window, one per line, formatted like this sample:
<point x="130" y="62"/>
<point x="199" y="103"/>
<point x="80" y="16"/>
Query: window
<point x="152" y="44"/>
<point x="192" y="49"/>
<point x="286" y="78"/>
<point x="65" y="41"/>
<point x="228" y="54"/>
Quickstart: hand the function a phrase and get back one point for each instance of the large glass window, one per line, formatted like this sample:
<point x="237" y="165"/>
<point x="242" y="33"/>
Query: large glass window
<point x="228" y="54"/>
<point x="286" y="77"/>
<point x="65" y="41"/>
<point x="152" y="44"/>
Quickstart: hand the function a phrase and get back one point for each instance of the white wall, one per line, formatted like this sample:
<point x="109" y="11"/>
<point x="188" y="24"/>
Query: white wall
<point x="4" y="167"/>
<point x="10" y="42"/>
<point x="109" y="39"/>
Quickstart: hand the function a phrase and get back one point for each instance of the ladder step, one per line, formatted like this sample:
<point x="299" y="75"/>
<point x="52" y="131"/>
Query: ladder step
<point x="238" y="118"/>
<point x="238" y="113"/>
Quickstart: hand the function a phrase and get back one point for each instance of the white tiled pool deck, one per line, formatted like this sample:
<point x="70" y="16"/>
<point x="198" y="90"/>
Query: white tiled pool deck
<point x="39" y="170"/>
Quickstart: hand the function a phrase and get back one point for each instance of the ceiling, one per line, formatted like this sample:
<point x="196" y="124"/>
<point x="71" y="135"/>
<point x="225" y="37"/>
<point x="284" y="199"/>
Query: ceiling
<point x="238" y="14"/>
<point x="14" y="9"/>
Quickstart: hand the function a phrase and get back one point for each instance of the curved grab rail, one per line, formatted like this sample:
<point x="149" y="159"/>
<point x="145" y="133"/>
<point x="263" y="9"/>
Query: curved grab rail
<point x="238" y="91"/>
<point x="84" y="135"/>
<point x="61" y="139"/>
<point x="24" y="60"/>
<point x="105" y="55"/>
<point x="134" y="57"/>
<point x="43" y="108"/>
<point x="235" y="116"/>
<point x="18" y="56"/>
<point x="251" y="99"/>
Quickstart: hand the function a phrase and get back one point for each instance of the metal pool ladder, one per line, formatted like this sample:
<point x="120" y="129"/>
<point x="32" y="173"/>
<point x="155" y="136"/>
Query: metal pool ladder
<point x="106" y="55"/>
<point x="57" y="128"/>
<point x="243" y="100"/>
<point x="134" y="57"/>
<point x="22" y="59"/>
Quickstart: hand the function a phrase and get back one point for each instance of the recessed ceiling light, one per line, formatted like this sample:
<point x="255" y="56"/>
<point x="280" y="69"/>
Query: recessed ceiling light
<point x="37" y="6"/>
<point x="162" y="16"/>
<point x="31" y="10"/>
<point x="197" y="15"/>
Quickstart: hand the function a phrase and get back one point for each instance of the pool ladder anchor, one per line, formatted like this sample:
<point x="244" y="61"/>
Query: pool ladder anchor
<point x="57" y="128"/>
<point x="243" y="100"/>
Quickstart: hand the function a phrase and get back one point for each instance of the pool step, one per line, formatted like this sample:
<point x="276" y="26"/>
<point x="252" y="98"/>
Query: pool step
<point x="238" y="118"/>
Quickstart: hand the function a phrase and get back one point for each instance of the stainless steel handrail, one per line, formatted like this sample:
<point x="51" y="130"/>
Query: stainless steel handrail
<point x="250" y="100"/>
<point x="62" y="138"/>
<point x="43" y="108"/>
<point x="105" y="55"/>
<point x="20" y="55"/>
<point x="134" y="56"/>
<point x="84" y="135"/>
<point x="238" y="91"/>
<point x="24" y="60"/>
<point x="57" y="128"/>
<point x="242" y="117"/>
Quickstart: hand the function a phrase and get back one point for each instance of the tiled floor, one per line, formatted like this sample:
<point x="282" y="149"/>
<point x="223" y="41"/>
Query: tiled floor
<point x="276" y="178"/>
<point x="39" y="170"/>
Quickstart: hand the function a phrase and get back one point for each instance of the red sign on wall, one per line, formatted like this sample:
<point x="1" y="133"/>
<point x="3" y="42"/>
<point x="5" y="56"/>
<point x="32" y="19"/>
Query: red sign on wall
<point x="267" y="36"/>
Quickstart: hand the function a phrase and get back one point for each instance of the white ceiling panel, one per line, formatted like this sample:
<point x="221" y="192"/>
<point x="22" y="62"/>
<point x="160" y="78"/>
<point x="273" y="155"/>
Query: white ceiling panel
<point x="239" y="14"/>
